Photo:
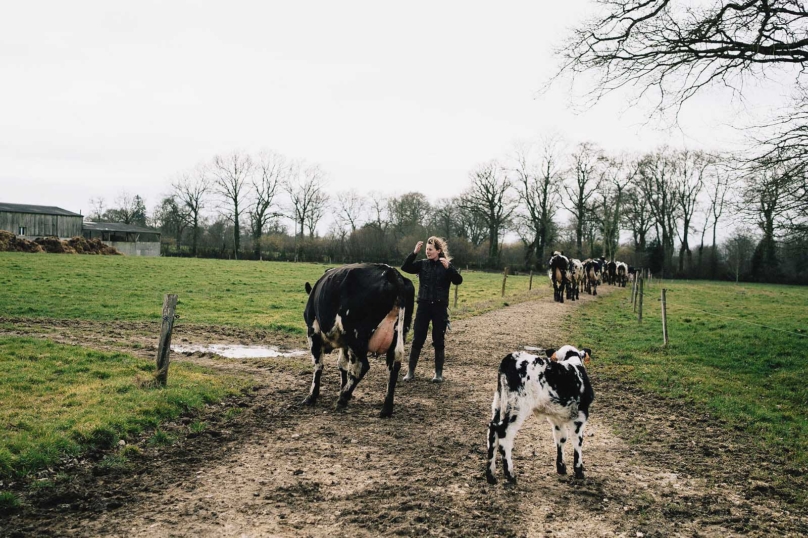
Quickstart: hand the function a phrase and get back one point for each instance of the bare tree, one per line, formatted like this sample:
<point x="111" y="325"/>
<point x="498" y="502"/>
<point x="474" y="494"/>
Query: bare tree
<point x="718" y="191"/>
<point x="691" y="170"/>
<point x="657" y="183"/>
<point x="230" y="174"/>
<point x="489" y="198"/>
<point x="677" y="49"/>
<point x="318" y="208"/>
<point x="619" y="173"/>
<point x="537" y="184"/>
<point x="272" y="170"/>
<point x="304" y="186"/>
<point x="97" y="209"/>
<point x="350" y="207"/>
<point x="638" y="218"/>
<point x="190" y="191"/>
<point x="583" y="181"/>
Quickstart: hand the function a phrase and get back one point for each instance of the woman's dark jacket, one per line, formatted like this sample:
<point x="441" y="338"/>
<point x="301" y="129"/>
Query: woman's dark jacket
<point x="433" y="277"/>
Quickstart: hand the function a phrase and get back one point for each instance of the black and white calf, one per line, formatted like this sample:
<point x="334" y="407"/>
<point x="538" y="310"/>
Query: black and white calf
<point x="592" y="271"/>
<point x="358" y="309"/>
<point x="556" y="388"/>
<point x="559" y="275"/>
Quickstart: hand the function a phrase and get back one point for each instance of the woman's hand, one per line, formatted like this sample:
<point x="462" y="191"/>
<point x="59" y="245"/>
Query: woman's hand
<point x="444" y="262"/>
<point x="418" y="246"/>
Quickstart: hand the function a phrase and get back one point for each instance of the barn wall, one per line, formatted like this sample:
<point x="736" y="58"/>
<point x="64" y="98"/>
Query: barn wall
<point x="136" y="248"/>
<point x="37" y="225"/>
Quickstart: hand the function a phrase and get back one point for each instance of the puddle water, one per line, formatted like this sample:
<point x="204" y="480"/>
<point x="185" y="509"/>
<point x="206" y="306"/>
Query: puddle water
<point x="239" y="352"/>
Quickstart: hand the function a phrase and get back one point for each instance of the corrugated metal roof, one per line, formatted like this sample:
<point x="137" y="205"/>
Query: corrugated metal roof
<point x="118" y="227"/>
<point x="38" y="209"/>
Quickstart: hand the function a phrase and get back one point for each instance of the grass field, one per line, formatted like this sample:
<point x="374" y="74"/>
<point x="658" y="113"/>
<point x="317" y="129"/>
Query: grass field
<point x="59" y="400"/>
<point x="217" y="292"/>
<point x="738" y="351"/>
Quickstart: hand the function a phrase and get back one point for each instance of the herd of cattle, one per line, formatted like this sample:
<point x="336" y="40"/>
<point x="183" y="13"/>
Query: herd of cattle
<point x="569" y="275"/>
<point x="360" y="309"/>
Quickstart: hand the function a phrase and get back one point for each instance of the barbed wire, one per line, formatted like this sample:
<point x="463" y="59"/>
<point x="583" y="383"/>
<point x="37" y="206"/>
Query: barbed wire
<point x="736" y="319"/>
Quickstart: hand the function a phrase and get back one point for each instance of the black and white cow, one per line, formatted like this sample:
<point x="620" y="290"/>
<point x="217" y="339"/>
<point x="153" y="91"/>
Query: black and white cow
<point x="559" y="275"/>
<point x="556" y="388"/>
<point x="622" y="274"/>
<point x="577" y="278"/>
<point x="358" y="309"/>
<point x="592" y="271"/>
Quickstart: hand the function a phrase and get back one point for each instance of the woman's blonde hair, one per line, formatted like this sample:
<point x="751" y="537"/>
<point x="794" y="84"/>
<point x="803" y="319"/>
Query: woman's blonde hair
<point x="440" y="244"/>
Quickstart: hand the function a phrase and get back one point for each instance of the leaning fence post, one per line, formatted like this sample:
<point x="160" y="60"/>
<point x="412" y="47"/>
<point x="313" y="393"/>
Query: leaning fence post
<point x="504" y="278"/>
<point x="163" y="350"/>
<point x="637" y="279"/>
<point x="664" y="318"/>
<point x="530" y="284"/>
<point x="634" y="287"/>
<point x="455" y="301"/>
<point x="639" y="312"/>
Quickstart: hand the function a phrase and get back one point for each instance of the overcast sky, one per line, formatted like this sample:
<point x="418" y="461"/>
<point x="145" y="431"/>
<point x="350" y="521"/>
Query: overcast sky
<point x="98" y="98"/>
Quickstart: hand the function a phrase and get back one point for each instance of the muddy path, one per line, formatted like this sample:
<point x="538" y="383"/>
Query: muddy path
<point x="654" y="468"/>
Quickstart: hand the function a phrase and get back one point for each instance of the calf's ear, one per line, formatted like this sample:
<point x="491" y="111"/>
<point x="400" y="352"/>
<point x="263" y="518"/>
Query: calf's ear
<point x="308" y="288"/>
<point x="550" y="352"/>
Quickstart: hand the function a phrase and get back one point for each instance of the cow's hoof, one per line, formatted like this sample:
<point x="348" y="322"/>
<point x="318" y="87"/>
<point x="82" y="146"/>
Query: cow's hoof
<point x="579" y="473"/>
<point x="386" y="413"/>
<point x="490" y="478"/>
<point x="510" y="481"/>
<point x="341" y="404"/>
<point x="309" y="401"/>
<point x="561" y="468"/>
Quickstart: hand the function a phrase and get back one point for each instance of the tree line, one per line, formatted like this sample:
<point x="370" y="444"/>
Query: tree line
<point x="662" y="210"/>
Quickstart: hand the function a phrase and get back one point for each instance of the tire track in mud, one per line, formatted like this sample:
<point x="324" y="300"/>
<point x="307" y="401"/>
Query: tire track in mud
<point x="279" y="469"/>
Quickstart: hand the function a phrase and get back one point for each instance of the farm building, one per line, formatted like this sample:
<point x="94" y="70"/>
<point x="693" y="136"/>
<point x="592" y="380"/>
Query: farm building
<point x="127" y="238"/>
<point x="32" y="221"/>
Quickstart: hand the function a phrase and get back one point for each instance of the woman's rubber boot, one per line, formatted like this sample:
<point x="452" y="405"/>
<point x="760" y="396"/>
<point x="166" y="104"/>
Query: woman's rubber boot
<point x="439" y="358"/>
<point x="415" y="352"/>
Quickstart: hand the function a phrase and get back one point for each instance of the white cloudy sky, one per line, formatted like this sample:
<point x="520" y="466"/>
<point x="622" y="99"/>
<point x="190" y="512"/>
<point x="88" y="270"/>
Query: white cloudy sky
<point x="98" y="98"/>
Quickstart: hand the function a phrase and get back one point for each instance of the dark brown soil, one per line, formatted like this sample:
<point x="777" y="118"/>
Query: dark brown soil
<point x="654" y="467"/>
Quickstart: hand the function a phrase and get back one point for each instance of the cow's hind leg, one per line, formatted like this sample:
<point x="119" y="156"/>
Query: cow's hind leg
<point x="342" y="364"/>
<point x="316" y="346"/>
<point x="358" y="366"/>
<point x="394" y="356"/>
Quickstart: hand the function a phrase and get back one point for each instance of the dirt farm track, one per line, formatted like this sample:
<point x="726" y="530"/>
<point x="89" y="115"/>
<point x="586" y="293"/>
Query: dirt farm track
<point x="654" y="468"/>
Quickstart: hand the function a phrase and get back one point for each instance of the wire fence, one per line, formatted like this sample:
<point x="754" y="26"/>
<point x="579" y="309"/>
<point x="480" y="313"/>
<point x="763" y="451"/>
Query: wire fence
<point x="636" y="299"/>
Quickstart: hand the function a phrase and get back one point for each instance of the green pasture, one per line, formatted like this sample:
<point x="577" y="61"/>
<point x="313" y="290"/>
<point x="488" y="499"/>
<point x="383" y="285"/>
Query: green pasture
<point x="59" y="400"/>
<point x="269" y="295"/>
<point x="738" y="351"/>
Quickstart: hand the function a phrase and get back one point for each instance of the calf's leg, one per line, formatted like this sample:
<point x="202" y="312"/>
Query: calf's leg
<point x="560" y="437"/>
<point x="577" y="428"/>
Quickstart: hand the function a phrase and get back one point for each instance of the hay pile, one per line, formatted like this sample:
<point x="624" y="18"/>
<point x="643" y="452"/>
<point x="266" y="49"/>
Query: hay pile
<point x="77" y="245"/>
<point x="10" y="243"/>
<point x="92" y="246"/>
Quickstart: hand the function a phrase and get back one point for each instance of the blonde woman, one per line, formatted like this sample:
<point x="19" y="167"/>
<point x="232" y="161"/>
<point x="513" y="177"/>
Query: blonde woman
<point x="435" y="275"/>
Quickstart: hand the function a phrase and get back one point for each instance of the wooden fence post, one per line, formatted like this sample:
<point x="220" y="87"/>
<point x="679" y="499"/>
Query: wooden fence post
<point x="664" y="318"/>
<point x="504" y="278"/>
<point x="163" y="350"/>
<point x="530" y="285"/>
<point x="634" y="287"/>
<point x="455" y="301"/>
<point x="639" y="312"/>
<point x="637" y="278"/>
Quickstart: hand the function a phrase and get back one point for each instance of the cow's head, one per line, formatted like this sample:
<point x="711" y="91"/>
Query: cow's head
<point x="585" y="354"/>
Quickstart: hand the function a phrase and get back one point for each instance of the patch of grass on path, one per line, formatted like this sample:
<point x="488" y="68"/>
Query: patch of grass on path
<point x="59" y="400"/>
<point x="268" y="295"/>
<point x="751" y="376"/>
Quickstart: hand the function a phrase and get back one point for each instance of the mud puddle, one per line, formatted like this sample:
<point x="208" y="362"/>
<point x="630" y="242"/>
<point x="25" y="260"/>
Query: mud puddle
<point x="238" y="351"/>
